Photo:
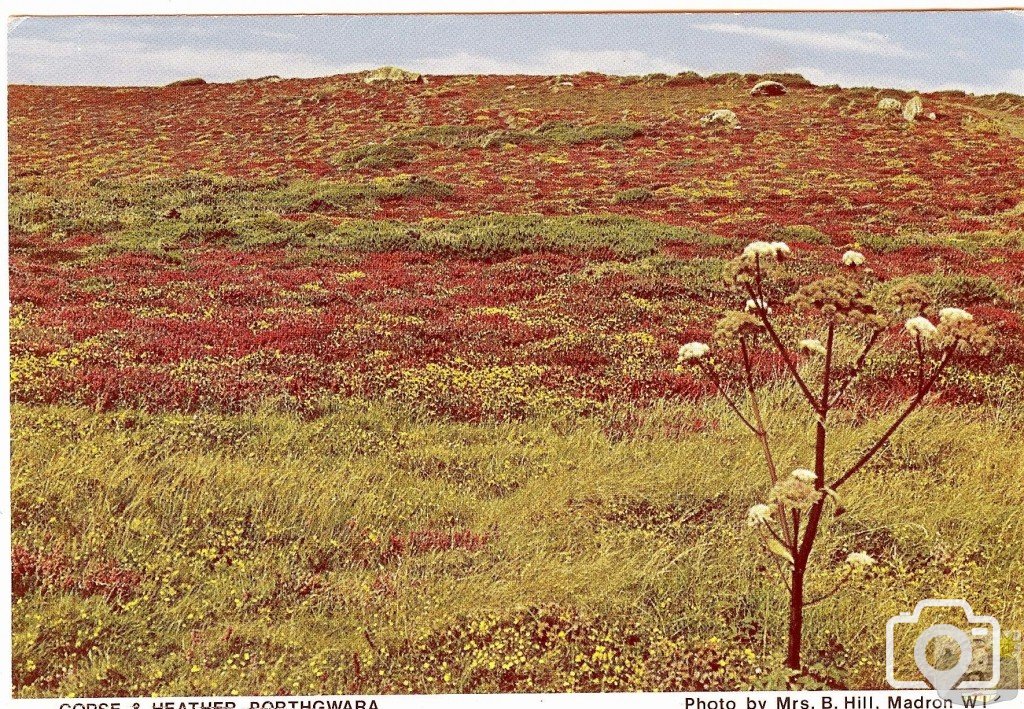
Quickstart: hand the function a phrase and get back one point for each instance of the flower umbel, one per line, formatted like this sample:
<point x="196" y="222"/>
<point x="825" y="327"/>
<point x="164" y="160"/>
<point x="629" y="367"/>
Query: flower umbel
<point x="860" y="560"/>
<point x="758" y="249"/>
<point x="910" y="297"/>
<point x="757" y="306"/>
<point x="735" y="326"/>
<point x="965" y="335"/>
<point x="793" y="493"/>
<point x="948" y="316"/>
<point x="804" y="475"/>
<point x="759" y="514"/>
<point x="853" y="259"/>
<point x="693" y="350"/>
<point x="838" y="299"/>
<point x="764" y="249"/>
<point x="920" y="326"/>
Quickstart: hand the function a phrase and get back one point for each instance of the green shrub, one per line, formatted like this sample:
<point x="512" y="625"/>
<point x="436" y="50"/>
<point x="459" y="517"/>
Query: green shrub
<point x="789" y="79"/>
<point x="194" y="81"/>
<point x="442" y="136"/>
<point x="634" y="194"/>
<point x="374" y="155"/>
<point x="305" y="196"/>
<point x="961" y="289"/>
<point x="497" y="138"/>
<point x="552" y="132"/>
<point x="562" y="133"/>
<point x="731" y="79"/>
<point x="623" y="236"/>
<point x="685" y="78"/>
<point x="160" y="215"/>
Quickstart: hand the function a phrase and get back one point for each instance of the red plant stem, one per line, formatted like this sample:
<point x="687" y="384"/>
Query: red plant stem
<point x="796" y="619"/>
<point x="804" y="547"/>
<point x="920" y="361"/>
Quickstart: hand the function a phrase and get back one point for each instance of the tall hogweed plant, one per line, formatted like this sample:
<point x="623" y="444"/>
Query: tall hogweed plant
<point x="827" y="311"/>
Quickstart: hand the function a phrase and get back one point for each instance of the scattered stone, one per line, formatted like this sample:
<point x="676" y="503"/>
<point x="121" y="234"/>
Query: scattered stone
<point x="392" y="74"/>
<point x="912" y="108"/>
<point x="768" y="88"/>
<point x="932" y="116"/>
<point x="720" y="117"/>
<point x="889" y="104"/>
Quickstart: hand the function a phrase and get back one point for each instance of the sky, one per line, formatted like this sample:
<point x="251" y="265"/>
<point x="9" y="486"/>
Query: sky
<point x="979" y="52"/>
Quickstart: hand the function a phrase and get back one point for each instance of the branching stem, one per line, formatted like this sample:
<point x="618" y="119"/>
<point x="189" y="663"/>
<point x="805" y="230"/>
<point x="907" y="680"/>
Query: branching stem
<point x="762" y="313"/>
<point x="762" y="436"/>
<point x="716" y="380"/>
<point x="857" y="367"/>
<point x="833" y="591"/>
<point x="915" y="402"/>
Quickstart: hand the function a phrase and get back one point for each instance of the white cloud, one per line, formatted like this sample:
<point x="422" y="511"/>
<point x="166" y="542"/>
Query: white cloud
<point x="270" y="34"/>
<point x="134" y="63"/>
<point x="854" y="41"/>
<point x="460" y="63"/>
<point x="552" y="61"/>
<point x="45" y="61"/>
<point x="609" y="62"/>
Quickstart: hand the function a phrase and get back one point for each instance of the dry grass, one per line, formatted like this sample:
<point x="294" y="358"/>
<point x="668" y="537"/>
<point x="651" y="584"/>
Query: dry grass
<point x="258" y="553"/>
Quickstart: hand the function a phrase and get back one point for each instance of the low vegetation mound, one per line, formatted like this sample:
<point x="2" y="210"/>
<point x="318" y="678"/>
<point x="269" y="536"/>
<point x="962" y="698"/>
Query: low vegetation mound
<point x="194" y="81"/>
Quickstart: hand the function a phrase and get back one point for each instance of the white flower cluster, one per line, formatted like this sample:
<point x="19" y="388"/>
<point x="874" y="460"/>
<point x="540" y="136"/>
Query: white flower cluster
<point x="948" y="316"/>
<point x="853" y="259"/>
<point x="804" y="475"/>
<point x="764" y="249"/>
<point x="859" y="559"/>
<point x="924" y="328"/>
<point x="920" y="326"/>
<point x="812" y="346"/>
<point x="693" y="350"/>
<point x="758" y="306"/>
<point x="794" y="492"/>
<point x="759" y="514"/>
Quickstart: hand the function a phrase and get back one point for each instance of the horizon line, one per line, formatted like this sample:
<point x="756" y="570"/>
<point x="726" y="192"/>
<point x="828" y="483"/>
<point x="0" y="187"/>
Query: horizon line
<point x="805" y="82"/>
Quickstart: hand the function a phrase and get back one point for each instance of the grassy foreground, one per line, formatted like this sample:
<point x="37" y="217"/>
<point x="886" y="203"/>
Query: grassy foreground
<point x="376" y="550"/>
